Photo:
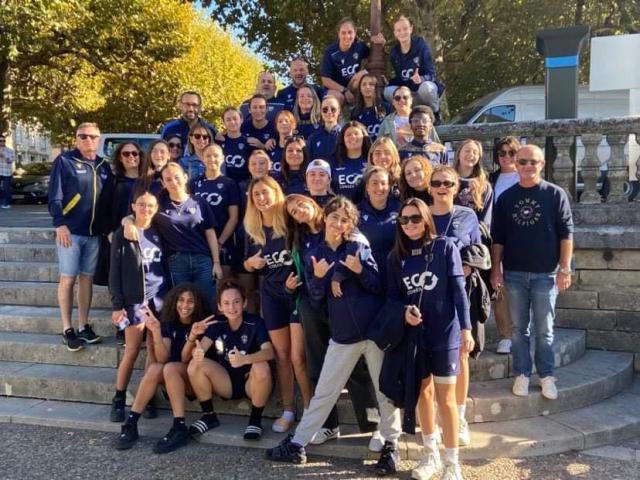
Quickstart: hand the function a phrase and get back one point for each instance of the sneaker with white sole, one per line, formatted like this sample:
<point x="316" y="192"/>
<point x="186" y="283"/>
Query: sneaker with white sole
<point x="428" y="467"/>
<point x="464" y="438"/>
<point x="452" y="471"/>
<point x="376" y="443"/>
<point x="504" y="346"/>
<point x="549" y="390"/>
<point x="521" y="386"/>
<point x="325" y="434"/>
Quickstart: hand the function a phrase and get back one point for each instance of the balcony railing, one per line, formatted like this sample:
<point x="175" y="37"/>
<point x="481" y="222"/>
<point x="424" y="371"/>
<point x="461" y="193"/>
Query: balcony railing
<point x="610" y="136"/>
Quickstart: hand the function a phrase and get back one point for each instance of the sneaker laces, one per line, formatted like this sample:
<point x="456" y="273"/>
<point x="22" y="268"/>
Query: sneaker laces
<point x="88" y="330"/>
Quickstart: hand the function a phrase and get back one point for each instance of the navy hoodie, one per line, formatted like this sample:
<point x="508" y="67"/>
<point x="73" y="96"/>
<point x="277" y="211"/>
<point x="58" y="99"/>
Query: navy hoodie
<point x="404" y="65"/>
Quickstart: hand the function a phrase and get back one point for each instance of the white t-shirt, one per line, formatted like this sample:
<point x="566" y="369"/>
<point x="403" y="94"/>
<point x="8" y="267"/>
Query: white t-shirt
<point x="505" y="181"/>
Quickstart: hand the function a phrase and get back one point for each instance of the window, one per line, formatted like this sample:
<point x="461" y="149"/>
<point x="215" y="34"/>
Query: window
<point x="498" y="114"/>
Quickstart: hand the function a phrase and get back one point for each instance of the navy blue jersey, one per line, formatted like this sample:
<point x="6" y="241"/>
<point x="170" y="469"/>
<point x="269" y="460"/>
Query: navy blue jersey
<point x="183" y="226"/>
<point x="220" y="194"/>
<point x="263" y="134"/>
<point x="342" y="66"/>
<point x="248" y="339"/>
<point x="442" y="320"/>
<point x="530" y="223"/>
<point x="274" y="107"/>
<point x="155" y="282"/>
<point x="379" y="226"/>
<point x="371" y="118"/>
<point x="404" y="65"/>
<point x="465" y="199"/>
<point x="345" y="177"/>
<point x="322" y="200"/>
<point x="178" y="333"/>
<point x="287" y="95"/>
<point x="322" y="144"/>
<point x="236" y="154"/>
<point x="279" y="262"/>
<point x="461" y="225"/>
<point x="181" y="127"/>
<point x="306" y="127"/>
<point x="295" y="183"/>
<point x="276" y="158"/>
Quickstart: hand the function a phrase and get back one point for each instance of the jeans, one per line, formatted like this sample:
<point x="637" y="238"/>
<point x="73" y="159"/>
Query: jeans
<point x="532" y="299"/>
<point x="80" y="258"/>
<point x="5" y="190"/>
<point x="195" y="268"/>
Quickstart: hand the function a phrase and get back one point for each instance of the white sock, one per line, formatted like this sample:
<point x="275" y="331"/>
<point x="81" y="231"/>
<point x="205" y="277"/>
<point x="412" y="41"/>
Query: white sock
<point x="461" y="410"/>
<point x="430" y="441"/>
<point x="288" y="415"/>
<point x="451" y="455"/>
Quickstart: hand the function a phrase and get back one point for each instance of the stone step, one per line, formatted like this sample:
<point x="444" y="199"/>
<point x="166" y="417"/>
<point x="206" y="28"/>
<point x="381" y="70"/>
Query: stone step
<point x="606" y="258"/>
<point x="25" y="252"/>
<point x="594" y="377"/>
<point x="46" y="320"/>
<point x="44" y="294"/>
<point x="27" y="235"/>
<point x="28" y="272"/>
<point x="614" y="419"/>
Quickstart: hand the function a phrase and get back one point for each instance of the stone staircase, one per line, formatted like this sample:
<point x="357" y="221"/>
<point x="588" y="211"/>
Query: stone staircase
<point x="42" y="383"/>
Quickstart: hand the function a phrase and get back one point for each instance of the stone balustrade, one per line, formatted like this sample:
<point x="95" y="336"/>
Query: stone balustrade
<point x="584" y="136"/>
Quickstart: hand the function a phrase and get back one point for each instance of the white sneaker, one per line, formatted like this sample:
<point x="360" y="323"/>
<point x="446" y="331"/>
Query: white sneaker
<point x="464" y="438"/>
<point x="504" y="346"/>
<point x="325" y="434"/>
<point x="549" y="390"/>
<point x="451" y="472"/>
<point x="428" y="466"/>
<point x="376" y="443"/>
<point x="521" y="386"/>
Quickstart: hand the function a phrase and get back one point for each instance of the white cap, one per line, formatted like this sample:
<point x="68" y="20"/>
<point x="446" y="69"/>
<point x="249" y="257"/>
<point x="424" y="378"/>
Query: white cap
<point x="319" y="165"/>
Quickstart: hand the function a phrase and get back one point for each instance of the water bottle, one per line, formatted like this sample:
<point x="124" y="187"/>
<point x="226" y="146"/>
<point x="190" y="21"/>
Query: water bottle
<point x="124" y="322"/>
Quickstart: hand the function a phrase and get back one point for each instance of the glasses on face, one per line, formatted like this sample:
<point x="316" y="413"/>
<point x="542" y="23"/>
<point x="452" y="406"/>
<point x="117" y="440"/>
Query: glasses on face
<point x="397" y="98"/>
<point x="506" y="153"/>
<point x="191" y="104"/>
<point x="442" y="183"/>
<point x="405" y="219"/>
<point x="132" y="153"/>
<point x="84" y="136"/>
<point x="531" y="161"/>
<point x="294" y="138"/>
<point x="175" y="145"/>
<point x="329" y="109"/>
<point x="201" y="136"/>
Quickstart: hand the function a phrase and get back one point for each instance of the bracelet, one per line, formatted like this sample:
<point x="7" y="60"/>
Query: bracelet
<point x="565" y="271"/>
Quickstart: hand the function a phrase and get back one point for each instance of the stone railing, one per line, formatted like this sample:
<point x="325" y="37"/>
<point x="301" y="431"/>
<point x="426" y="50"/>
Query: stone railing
<point x="569" y="136"/>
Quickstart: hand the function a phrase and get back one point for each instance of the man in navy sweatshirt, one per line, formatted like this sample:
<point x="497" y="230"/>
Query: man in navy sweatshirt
<point x="75" y="186"/>
<point x="532" y="234"/>
<point x="190" y="105"/>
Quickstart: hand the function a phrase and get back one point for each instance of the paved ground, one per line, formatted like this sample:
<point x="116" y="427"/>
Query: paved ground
<point x="25" y="216"/>
<point x="45" y="453"/>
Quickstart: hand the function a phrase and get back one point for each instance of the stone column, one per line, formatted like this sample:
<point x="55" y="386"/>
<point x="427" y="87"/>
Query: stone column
<point x="618" y="167"/>
<point x="376" y="61"/>
<point x="563" y="171"/>
<point x="590" y="168"/>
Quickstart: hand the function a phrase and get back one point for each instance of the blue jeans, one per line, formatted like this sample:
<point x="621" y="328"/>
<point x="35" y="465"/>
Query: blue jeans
<point x="195" y="268"/>
<point x="5" y="190"/>
<point x="532" y="299"/>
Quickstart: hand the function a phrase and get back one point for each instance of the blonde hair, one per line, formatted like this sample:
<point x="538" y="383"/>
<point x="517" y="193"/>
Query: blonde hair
<point x="447" y="171"/>
<point x="478" y="181"/>
<point x="253" y="223"/>
<point x="394" y="169"/>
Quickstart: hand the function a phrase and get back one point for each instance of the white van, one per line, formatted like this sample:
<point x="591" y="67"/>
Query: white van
<point x="110" y="141"/>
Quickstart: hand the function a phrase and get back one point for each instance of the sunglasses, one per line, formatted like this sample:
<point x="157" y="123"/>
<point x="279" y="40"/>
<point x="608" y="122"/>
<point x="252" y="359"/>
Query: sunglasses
<point x="504" y="153"/>
<point x="442" y="183"/>
<point x="132" y="153"/>
<point x="329" y="109"/>
<point x="201" y="136"/>
<point x="175" y="145"/>
<point x="84" y="136"/>
<point x="294" y="138"/>
<point x="531" y="161"/>
<point x="404" y="219"/>
<point x="397" y="98"/>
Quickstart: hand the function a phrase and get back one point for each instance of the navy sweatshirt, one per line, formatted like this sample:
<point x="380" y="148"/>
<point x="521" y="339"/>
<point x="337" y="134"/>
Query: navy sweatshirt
<point x="322" y="144"/>
<point x="404" y="65"/>
<point x="379" y="226"/>
<point x="342" y="66"/>
<point x="463" y="226"/>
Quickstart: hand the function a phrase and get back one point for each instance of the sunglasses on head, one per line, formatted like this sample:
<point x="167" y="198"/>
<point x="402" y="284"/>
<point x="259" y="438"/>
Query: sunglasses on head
<point x="442" y="183"/>
<point x="329" y="109"/>
<point x="175" y="145"/>
<point x="505" y="153"/>
<point x="132" y="153"/>
<point x="84" y="136"/>
<point x="404" y="219"/>
<point x="531" y="161"/>
<point x="294" y="138"/>
<point x="397" y="98"/>
<point x="202" y="136"/>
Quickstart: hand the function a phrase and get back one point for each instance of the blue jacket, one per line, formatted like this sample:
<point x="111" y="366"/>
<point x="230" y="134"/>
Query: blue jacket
<point x="180" y="127"/>
<point x="75" y="186"/>
<point x="351" y="317"/>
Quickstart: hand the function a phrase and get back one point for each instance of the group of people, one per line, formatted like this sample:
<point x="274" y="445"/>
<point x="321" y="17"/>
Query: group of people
<point x="318" y="243"/>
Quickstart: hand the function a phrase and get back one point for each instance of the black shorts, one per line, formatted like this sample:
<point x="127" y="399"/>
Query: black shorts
<point x="238" y="379"/>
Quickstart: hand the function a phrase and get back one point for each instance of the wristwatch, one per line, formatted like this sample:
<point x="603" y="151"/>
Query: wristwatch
<point x="565" y="271"/>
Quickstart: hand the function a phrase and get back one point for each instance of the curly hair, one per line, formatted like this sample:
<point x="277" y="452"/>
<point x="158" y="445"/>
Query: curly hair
<point x="169" y="309"/>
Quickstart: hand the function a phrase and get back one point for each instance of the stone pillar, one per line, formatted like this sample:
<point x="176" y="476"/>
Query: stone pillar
<point x="618" y="167"/>
<point x="563" y="171"/>
<point x="590" y="168"/>
<point x="487" y="158"/>
<point x="376" y="61"/>
<point x="538" y="141"/>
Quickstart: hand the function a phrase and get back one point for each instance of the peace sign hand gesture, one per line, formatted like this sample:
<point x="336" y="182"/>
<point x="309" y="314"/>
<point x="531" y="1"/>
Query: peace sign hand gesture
<point x="200" y="327"/>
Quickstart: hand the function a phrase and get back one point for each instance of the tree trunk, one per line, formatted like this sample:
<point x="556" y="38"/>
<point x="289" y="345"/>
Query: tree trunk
<point x="5" y="95"/>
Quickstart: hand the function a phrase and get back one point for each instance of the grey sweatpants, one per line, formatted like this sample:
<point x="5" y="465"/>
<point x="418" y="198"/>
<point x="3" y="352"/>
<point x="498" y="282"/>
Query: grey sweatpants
<point x="339" y="362"/>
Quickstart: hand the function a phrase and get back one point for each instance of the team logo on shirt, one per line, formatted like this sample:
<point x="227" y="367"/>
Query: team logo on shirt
<point x="393" y="215"/>
<point x="355" y="56"/>
<point x="526" y="212"/>
<point x="265" y="136"/>
<point x="241" y="146"/>
<point x="365" y="217"/>
<point x="416" y="60"/>
<point x="151" y="254"/>
<point x="373" y="129"/>
<point x="278" y="259"/>
<point x="244" y="339"/>
<point x="220" y="186"/>
<point x="318" y="144"/>
<point x="236" y="161"/>
<point x="219" y="345"/>
<point x="416" y="282"/>
<point x="349" y="180"/>
<point x="214" y="199"/>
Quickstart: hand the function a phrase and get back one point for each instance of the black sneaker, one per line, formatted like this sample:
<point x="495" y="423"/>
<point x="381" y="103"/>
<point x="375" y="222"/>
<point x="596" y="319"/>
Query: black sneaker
<point x="176" y="438"/>
<point x="117" y="410"/>
<point x="128" y="436"/>
<point x="88" y="335"/>
<point x="150" y="412"/>
<point x="287" y="451"/>
<point x="206" y="423"/>
<point x="71" y="340"/>
<point x="389" y="459"/>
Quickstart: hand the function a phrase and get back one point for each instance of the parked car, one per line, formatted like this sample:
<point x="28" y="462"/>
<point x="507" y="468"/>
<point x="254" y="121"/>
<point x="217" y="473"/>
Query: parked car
<point x="30" y="183"/>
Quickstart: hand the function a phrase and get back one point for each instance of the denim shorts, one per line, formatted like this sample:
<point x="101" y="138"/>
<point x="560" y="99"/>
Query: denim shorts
<point x="80" y="258"/>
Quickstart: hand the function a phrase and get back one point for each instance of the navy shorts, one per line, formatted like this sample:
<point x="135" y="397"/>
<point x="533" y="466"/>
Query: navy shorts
<point x="442" y="363"/>
<point x="277" y="312"/>
<point x="238" y="377"/>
